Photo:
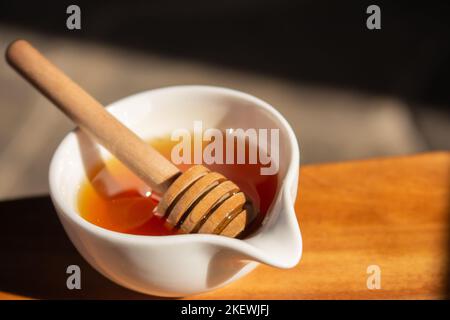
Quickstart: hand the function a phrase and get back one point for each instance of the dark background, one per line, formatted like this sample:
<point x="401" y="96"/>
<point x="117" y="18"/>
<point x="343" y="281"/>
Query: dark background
<point x="324" y="42"/>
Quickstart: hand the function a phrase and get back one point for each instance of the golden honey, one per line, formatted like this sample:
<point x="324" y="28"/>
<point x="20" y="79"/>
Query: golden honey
<point x="114" y="198"/>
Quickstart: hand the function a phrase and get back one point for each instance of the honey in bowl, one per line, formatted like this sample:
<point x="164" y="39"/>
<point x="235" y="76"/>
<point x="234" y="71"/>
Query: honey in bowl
<point x="116" y="199"/>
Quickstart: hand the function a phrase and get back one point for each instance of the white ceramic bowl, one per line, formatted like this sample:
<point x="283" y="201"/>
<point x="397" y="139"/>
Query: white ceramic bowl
<point x="183" y="264"/>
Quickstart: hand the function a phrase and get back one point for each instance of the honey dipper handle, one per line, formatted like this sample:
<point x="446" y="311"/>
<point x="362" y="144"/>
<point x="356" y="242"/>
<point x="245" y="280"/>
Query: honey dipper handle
<point x="90" y="115"/>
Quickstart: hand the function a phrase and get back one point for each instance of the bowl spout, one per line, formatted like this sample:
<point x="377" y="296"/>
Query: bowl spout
<point x="279" y="242"/>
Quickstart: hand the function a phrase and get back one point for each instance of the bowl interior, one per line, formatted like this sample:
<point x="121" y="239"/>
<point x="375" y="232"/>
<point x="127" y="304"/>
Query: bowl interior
<point x="158" y="112"/>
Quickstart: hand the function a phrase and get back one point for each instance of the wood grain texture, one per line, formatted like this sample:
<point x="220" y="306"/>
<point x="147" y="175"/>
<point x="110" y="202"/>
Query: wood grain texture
<point x="391" y="212"/>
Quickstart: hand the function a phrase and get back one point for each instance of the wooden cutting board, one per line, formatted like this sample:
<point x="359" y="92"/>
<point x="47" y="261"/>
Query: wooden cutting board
<point x="390" y="213"/>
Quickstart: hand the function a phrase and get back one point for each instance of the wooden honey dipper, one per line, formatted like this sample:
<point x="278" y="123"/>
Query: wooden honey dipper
<point x="197" y="200"/>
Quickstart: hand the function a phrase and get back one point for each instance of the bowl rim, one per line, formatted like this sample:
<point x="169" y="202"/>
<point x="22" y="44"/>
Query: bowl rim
<point x="239" y="244"/>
